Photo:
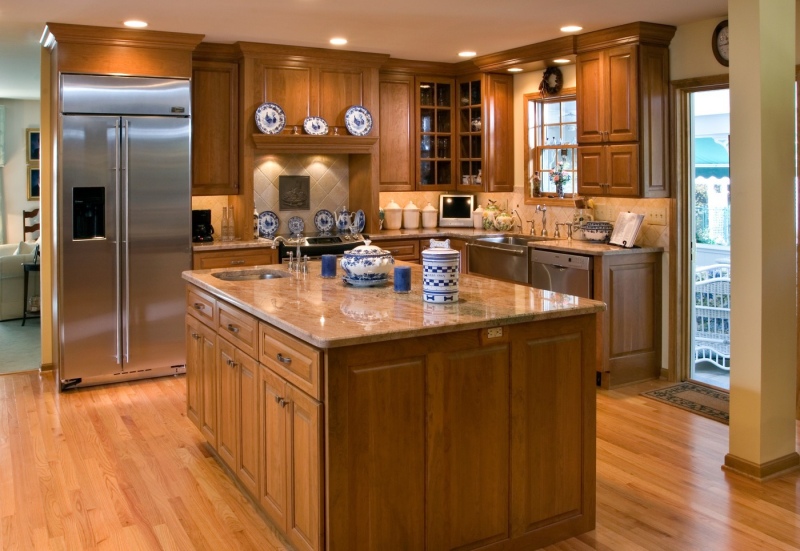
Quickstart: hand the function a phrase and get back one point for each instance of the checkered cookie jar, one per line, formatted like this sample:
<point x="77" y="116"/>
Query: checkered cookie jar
<point x="440" y="273"/>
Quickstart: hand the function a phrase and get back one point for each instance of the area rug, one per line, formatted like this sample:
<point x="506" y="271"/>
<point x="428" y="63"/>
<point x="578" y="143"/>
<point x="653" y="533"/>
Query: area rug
<point x="696" y="398"/>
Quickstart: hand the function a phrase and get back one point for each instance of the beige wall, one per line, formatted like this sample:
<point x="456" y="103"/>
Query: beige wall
<point x="20" y="115"/>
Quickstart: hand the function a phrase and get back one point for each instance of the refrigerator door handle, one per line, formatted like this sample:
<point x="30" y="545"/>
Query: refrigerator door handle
<point x="118" y="234"/>
<point x="125" y="276"/>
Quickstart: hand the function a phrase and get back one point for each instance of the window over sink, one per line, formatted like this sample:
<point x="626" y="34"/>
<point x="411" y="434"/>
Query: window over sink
<point x="551" y="147"/>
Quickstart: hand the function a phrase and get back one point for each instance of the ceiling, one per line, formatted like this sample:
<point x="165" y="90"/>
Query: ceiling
<point x="412" y="29"/>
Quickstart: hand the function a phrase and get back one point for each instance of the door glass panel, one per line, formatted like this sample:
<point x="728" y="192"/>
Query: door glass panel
<point x="710" y="238"/>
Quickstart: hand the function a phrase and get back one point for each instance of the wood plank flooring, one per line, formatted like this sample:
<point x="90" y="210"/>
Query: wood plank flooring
<point x="120" y="467"/>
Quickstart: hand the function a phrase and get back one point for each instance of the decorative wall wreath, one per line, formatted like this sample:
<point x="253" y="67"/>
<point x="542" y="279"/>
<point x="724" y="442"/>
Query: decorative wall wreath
<point x="552" y="80"/>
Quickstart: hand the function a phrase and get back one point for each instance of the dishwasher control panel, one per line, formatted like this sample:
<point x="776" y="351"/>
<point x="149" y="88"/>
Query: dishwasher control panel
<point x="570" y="274"/>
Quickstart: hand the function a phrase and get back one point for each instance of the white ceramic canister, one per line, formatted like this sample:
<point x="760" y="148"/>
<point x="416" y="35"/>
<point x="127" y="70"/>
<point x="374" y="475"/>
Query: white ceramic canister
<point x="477" y="218"/>
<point x="440" y="273"/>
<point x="430" y="216"/>
<point x="392" y="216"/>
<point x="411" y="216"/>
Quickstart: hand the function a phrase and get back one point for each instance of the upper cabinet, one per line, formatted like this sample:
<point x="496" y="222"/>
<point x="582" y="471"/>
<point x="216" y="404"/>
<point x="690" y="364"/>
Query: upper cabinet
<point x="215" y="121"/>
<point x="485" y="133"/>
<point x="623" y="111"/>
<point x="434" y="116"/>
<point x="398" y="141"/>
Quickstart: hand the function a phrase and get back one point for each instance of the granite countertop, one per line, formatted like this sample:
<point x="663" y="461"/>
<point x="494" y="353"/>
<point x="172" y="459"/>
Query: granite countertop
<point x="564" y="245"/>
<point x="328" y="313"/>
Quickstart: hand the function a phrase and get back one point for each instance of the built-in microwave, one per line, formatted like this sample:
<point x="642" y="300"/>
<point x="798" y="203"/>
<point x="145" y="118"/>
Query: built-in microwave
<point x="456" y="210"/>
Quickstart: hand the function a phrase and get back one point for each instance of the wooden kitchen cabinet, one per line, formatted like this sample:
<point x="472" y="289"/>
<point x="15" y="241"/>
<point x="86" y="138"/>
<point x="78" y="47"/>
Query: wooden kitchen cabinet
<point x="402" y="249"/>
<point x="623" y="116"/>
<point x="229" y="258"/>
<point x="200" y="368"/>
<point x="215" y="127"/>
<point x="435" y="125"/>
<point x="398" y="160"/>
<point x="629" y="331"/>
<point x="291" y="460"/>
<point x="485" y="133"/>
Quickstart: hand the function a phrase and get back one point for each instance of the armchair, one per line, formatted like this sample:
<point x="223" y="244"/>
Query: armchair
<point x="11" y="283"/>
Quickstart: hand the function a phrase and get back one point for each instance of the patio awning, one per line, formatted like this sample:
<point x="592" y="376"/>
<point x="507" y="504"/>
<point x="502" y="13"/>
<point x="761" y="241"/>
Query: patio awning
<point x="710" y="159"/>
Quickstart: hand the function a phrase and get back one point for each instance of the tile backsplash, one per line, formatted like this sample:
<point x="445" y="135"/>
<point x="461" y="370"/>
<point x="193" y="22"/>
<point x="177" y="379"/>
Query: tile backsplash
<point x="329" y="187"/>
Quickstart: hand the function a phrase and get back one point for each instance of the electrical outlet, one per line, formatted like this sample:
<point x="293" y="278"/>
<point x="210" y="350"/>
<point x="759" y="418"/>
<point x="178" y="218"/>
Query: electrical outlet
<point x="495" y="332"/>
<point x="602" y="212"/>
<point x="656" y="216"/>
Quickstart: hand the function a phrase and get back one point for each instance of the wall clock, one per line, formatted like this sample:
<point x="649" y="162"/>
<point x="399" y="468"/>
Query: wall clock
<point x="719" y="43"/>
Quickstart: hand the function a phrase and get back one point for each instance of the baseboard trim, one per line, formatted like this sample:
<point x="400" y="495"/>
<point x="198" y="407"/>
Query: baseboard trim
<point x="764" y="471"/>
<point x="47" y="367"/>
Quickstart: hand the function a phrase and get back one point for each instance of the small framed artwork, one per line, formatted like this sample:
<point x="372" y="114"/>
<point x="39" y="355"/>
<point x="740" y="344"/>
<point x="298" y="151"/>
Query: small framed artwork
<point x="34" y="183"/>
<point x="32" y="143"/>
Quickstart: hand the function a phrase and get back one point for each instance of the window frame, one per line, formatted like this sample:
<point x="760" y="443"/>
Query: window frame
<point x="533" y="155"/>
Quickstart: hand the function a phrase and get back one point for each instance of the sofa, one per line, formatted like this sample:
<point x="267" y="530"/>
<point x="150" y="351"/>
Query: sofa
<point x="12" y="256"/>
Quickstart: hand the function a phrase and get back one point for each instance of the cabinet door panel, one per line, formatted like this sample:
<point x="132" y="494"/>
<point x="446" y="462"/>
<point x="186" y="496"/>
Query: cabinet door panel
<point x="227" y="435"/>
<point x="499" y="136"/>
<point x="194" y="367"/>
<point x="549" y="386"/>
<point x="623" y="94"/>
<point x="208" y="422"/>
<point x="623" y="169"/>
<point x="397" y="138"/>
<point x="591" y="170"/>
<point x="467" y="471"/>
<point x="247" y="455"/>
<point x="290" y="87"/>
<point x="590" y="98"/>
<point x="305" y="470"/>
<point x="273" y="493"/>
<point x="338" y="90"/>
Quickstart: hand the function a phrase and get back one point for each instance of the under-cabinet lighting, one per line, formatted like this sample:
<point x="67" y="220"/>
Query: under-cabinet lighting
<point x="515" y="70"/>
<point x="562" y="61"/>
<point x="467" y="54"/>
<point x="135" y="24"/>
<point x="571" y="29"/>
<point x="338" y="41"/>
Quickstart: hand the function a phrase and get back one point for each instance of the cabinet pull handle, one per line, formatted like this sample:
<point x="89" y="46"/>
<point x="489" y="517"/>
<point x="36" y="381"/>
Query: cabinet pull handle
<point x="199" y="306"/>
<point x="195" y="336"/>
<point x="284" y="359"/>
<point x="281" y="401"/>
<point x="230" y="362"/>
<point x="395" y="251"/>
<point x="232" y="328"/>
<point x="237" y="262"/>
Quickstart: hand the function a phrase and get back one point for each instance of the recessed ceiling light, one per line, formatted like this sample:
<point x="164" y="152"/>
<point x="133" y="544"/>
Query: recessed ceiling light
<point x="562" y="61"/>
<point x="135" y="24"/>
<point x="571" y="29"/>
<point x="515" y="70"/>
<point x="467" y="54"/>
<point x="338" y="41"/>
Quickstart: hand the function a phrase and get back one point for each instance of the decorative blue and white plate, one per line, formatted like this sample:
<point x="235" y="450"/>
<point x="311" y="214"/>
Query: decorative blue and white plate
<point x="323" y="220"/>
<point x="360" y="220"/>
<point x="270" y="118"/>
<point x="315" y="126"/>
<point x="268" y="223"/>
<point x="358" y="121"/>
<point x="296" y="225"/>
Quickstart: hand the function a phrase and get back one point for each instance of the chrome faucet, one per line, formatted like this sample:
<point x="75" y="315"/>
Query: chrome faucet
<point x="543" y="210"/>
<point x="568" y="226"/>
<point x="515" y="213"/>
<point x="282" y="239"/>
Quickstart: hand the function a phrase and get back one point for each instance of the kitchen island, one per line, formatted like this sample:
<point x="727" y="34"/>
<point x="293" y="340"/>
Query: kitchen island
<point x="359" y="419"/>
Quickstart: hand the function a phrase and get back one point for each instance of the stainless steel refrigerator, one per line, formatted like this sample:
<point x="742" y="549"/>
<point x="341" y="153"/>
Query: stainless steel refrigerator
<point x="123" y="227"/>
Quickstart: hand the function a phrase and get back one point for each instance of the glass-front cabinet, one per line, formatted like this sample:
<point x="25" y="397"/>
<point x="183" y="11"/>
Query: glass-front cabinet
<point x="470" y="136"/>
<point x="435" y="130"/>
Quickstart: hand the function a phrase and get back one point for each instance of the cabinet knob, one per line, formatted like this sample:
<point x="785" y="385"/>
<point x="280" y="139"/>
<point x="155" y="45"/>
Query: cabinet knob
<point x="195" y="336"/>
<point x="284" y="359"/>
<point x="199" y="306"/>
<point x="237" y="262"/>
<point x="232" y="328"/>
<point x="281" y="401"/>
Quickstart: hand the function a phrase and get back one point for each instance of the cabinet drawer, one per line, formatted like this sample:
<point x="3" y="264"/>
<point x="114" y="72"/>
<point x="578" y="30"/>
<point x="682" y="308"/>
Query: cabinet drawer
<point x="201" y="305"/>
<point x="406" y="249"/>
<point x="239" y="328"/>
<point x="292" y="359"/>
<point x="234" y="257"/>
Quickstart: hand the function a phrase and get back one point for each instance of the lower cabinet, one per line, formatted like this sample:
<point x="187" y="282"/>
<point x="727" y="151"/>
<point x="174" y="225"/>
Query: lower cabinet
<point x="232" y="258"/>
<point x="201" y="377"/>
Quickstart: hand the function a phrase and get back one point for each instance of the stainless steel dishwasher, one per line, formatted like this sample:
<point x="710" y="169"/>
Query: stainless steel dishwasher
<point x="561" y="272"/>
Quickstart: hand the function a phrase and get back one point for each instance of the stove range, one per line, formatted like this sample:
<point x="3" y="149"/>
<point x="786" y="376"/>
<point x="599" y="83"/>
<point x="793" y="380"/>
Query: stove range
<point x="315" y="245"/>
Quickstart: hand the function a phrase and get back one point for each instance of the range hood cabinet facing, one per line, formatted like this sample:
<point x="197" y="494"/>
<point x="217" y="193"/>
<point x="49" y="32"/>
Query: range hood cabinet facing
<point x="315" y="145"/>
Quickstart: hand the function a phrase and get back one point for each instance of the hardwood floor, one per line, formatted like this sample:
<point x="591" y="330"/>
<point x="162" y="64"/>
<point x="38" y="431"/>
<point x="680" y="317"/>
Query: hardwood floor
<point x="121" y="467"/>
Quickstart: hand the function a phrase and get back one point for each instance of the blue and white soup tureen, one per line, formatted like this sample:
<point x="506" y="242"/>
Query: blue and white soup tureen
<point x="367" y="265"/>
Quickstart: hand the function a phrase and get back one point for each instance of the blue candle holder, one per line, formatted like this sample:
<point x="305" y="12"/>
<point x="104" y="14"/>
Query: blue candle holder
<point x="328" y="266"/>
<point x="402" y="279"/>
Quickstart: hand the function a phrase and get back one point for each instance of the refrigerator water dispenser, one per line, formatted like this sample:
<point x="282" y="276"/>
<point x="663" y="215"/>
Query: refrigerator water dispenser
<point x="88" y="207"/>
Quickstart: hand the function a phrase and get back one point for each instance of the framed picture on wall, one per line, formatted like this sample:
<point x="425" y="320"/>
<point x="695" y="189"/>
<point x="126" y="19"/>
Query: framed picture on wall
<point x="32" y="144"/>
<point x="33" y="183"/>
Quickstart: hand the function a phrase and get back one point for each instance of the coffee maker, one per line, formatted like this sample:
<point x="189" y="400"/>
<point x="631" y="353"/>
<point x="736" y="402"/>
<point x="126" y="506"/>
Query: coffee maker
<point x="202" y="230"/>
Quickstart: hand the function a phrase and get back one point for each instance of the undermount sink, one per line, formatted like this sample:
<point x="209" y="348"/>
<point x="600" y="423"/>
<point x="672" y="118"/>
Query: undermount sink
<point x="248" y="275"/>
<point x="518" y="240"/>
